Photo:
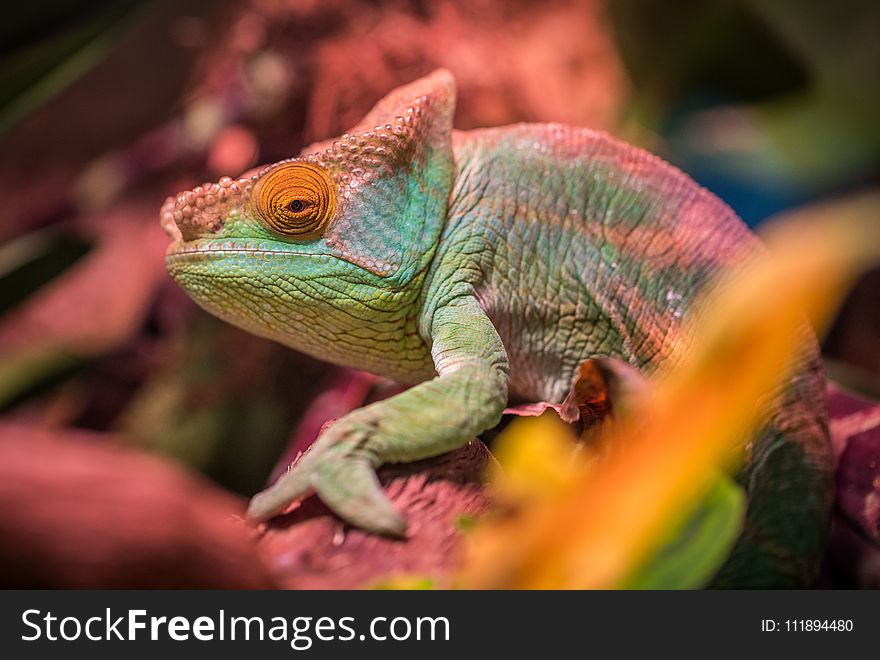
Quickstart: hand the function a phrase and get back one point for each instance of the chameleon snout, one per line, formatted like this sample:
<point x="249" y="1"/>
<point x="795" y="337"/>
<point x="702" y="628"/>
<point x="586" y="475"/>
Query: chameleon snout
<point x="202" y="211"/>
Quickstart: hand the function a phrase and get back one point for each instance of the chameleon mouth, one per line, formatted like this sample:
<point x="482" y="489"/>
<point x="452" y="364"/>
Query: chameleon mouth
<point x="211" y="249"/>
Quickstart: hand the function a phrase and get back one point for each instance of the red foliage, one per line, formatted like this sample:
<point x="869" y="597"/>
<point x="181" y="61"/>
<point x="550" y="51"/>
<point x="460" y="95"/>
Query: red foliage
<point x="853" y="557"/>
<point x="76" y="512"/>
<point x="100" y="303"/>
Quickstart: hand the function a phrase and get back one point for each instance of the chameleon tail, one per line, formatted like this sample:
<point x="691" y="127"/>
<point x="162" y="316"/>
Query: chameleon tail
<point x="788" y="478"/>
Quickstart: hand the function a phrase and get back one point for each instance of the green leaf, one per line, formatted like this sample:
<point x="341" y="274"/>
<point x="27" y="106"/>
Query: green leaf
<point x="696" y="549"/>
<point x="33" y="260"/>
<point x="34" y="71"/>
<point x="406" y="583"/>
<point x="465" y="523"/>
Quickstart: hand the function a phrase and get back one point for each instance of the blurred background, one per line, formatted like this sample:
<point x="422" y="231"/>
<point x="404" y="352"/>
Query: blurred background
<point x="107" y="107"/>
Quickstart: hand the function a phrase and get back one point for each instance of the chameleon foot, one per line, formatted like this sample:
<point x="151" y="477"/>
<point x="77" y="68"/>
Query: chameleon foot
<point x="342" y="473"/>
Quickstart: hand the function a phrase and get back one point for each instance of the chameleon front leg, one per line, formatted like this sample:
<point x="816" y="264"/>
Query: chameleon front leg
<point x="467" y="397"/>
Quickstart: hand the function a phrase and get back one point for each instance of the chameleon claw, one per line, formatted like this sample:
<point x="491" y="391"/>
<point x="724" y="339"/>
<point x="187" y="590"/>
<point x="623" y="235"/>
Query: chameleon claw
<point x="349" y="486"/>
<point x="288" y="488"/>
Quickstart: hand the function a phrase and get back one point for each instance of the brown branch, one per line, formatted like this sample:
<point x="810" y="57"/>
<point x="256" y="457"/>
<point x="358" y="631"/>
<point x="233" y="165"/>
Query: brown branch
<point x="308" y="548"/>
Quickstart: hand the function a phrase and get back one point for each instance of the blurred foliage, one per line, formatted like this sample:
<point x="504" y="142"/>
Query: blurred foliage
<point x="407" y="583"/>
<point x="230" y="416"/>
<point x="688" y="556"/>
<point x="30" y="261"/>
<point x="45" y="48"/>
<point x="770" y="104"/>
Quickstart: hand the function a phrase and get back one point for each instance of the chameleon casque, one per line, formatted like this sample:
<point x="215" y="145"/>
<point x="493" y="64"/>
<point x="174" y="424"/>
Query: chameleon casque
<point x="481" y="267"/>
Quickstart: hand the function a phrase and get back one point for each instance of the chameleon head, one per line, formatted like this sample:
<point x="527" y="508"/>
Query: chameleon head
<point x="327" y="252"/>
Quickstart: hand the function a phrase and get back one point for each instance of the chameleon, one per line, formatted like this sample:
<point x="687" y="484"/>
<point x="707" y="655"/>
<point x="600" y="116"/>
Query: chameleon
<point x="482" y="267"/>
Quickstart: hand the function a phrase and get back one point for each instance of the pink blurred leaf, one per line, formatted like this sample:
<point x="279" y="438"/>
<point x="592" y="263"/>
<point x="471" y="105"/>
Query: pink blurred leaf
<point x="855" y="429"/>
<point x="97" y="304"/>
<point x="78" y="512"/>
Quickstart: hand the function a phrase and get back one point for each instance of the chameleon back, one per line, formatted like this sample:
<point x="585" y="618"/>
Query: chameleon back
<point x="578" y="245"/>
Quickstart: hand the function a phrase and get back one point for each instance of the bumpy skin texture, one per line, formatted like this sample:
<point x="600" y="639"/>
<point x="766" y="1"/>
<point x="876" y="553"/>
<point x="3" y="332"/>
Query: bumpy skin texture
<point x="484" y="266"/>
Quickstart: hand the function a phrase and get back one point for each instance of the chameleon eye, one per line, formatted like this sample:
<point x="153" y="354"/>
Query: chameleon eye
<point x="296" y="199"/>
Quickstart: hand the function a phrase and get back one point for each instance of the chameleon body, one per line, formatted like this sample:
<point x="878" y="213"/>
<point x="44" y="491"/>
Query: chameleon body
<point x="482" y="267"/>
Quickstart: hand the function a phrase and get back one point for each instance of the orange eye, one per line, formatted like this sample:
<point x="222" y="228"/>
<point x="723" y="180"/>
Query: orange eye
<point x="296" y="199"/>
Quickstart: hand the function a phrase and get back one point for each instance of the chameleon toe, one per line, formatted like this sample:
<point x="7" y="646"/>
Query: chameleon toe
<point x="278" y="496"/>
<point x="350" y="488"/>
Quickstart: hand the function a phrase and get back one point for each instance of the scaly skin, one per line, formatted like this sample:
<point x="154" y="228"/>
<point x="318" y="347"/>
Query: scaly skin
<point x="484" y="266"/>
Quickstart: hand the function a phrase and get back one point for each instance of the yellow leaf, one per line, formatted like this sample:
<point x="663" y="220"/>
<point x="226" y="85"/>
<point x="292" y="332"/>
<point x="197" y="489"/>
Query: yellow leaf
<point x="535" y="456"/>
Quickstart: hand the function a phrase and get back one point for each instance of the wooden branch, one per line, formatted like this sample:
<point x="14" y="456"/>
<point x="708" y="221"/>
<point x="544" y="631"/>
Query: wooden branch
<point x="308" y="548"/>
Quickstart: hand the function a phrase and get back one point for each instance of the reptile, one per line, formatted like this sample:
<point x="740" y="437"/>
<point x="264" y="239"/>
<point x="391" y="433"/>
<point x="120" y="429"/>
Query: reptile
<point x="483" y="267"/>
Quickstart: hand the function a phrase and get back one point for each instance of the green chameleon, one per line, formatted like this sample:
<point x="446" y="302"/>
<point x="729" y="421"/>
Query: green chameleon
<point x="482" y="267"/>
